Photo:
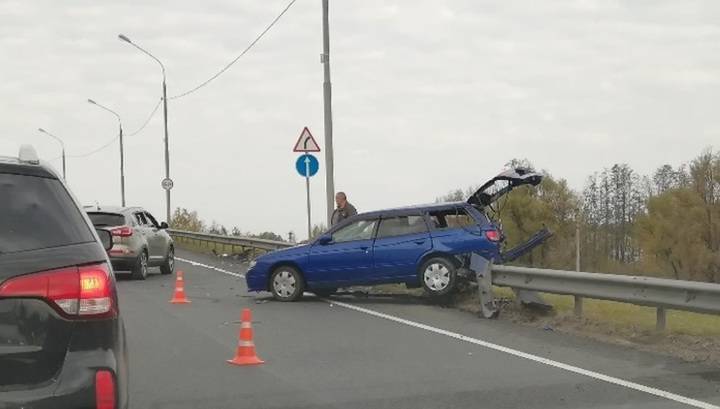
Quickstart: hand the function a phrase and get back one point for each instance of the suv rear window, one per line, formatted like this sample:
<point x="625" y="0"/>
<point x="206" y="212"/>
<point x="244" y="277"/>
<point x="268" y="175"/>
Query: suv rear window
<point x="107" y="219"/>
<point x="37" y="213"/>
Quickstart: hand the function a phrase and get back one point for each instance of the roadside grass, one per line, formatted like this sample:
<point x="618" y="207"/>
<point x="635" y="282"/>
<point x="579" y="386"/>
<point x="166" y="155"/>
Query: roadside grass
<point x="624" y="318"/>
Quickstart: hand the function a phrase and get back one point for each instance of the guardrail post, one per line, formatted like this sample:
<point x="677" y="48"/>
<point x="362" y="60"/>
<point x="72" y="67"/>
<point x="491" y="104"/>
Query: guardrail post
<point x="578" y="306"/>
<point x="483" y="274"/>
<point x="661" y="322"/>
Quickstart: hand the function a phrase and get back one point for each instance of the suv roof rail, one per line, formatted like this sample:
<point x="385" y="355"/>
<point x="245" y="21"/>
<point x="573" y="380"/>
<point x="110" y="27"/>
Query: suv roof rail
<point x="28" y="155"/>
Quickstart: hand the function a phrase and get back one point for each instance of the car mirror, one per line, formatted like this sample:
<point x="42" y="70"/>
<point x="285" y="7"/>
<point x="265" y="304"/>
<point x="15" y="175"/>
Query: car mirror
<point x="325" y="239"/>
<point x="105" y="238"/>
<point x="164" y="225"/>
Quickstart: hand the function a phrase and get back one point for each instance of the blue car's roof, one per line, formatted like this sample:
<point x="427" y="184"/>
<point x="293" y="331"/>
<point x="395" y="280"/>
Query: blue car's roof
<point x="419" y="208"/>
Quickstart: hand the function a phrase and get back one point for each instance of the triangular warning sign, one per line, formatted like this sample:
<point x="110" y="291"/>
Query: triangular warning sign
<point x="306" y="142"/>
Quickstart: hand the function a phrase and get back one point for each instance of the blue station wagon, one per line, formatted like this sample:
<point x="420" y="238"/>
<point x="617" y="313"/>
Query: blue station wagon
<point x="419" y="245"/>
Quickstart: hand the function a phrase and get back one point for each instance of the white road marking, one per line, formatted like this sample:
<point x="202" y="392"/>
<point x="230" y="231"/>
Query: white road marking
<point x="566" y="367"/>
<point x="570" y="368"/>
<point x="195" y="263"/>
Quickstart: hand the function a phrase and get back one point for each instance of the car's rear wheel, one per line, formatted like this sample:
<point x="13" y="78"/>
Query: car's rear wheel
<point x="438" y="276"/>
<point x="324" y="292"/>
<point x="168" y="267"/>
<point x="140" y="270"/>
<point x="286" y="284"/>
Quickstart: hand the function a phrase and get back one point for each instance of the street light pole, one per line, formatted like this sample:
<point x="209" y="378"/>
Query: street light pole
<point x="327" y="102"/>
<point x="124" y="38"/>
<point x="122" y="150"/>
<point x="63" y="149"/>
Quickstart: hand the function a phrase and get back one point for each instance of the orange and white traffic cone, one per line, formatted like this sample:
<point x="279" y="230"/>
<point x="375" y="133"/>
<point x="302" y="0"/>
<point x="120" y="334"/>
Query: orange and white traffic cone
<point x="245" y="352"/>
<point x="179" y="295"/>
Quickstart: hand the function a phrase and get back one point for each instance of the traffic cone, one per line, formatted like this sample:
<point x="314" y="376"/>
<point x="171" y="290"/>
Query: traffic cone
<point x="245" y="352"/>
<point x="179" y="295"/>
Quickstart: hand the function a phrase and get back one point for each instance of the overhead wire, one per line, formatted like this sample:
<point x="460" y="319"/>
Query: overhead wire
<point x="115" y="138"/>
<point x="231" y="63"/>
<point x="194" y="89"/>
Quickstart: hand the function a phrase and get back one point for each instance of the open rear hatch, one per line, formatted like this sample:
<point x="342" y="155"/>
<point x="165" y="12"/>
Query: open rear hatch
<point x="501" y="185"/>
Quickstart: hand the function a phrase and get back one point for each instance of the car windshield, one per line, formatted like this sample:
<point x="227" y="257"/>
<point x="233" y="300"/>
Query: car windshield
<point x="37" y="213"/>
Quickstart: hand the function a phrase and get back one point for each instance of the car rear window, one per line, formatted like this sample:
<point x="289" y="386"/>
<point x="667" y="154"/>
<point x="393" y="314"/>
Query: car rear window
<point x="451" y="218"/>
<point x="37" y="213"/>
<point x="106" y="219"/>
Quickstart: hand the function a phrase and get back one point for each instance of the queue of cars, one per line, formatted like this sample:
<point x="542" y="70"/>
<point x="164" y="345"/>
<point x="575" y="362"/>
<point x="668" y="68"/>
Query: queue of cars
<point x="60" y="322"/>
<point x="63" y="336"/>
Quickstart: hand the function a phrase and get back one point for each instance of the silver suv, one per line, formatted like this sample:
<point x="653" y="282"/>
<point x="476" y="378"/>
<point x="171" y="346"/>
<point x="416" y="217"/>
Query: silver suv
<point x="139" y="241"/>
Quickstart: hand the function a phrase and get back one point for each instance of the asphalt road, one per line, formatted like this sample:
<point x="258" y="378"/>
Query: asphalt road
<point x="374" y="353"/>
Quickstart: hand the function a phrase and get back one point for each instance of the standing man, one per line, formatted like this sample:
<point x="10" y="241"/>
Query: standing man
<point x="344" y="209"/>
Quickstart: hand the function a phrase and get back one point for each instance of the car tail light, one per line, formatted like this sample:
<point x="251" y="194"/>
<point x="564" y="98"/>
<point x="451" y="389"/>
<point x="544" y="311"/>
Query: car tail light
<point x="78" y="292"/>
<point x="123" y="231"/>
<point x="104" y="390"/>
<point x="492" y="235"/>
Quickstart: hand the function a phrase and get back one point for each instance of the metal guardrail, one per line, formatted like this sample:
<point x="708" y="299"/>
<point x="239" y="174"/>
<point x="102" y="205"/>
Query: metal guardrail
<point x="647" y="291"/>
<point x="659" y="293"/>
<point x="232" y="241"/>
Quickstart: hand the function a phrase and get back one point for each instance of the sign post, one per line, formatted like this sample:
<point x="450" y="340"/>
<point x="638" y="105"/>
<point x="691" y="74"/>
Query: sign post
<point x="307" y="165"/>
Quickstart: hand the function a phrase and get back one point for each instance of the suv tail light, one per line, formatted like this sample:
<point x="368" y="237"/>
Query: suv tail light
<point x="104" y="390"/>
<point x="123" y="231"/>
<point x="492" y="235"/>
<point x="77" y="292"/>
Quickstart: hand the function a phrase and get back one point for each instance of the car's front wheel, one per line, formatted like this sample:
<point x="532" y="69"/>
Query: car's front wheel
<point x="286" y="284"/>
<point x="168" y="267"/>
<point x="140" y="270"/>
<point x="438" y="276"/>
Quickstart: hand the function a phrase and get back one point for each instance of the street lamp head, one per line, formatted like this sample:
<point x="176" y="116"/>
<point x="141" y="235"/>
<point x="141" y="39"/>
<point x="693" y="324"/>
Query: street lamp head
<point x="123" y="37"/>
<point x="91" y="101"/>
<point x="42" y="130"/>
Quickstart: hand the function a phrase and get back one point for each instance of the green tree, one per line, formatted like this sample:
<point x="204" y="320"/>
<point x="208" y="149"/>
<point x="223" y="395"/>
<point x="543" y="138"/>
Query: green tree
<point x="182" y="219"/>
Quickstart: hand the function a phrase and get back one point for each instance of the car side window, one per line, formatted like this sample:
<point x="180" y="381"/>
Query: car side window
<point x="401" y="225"/>
<point x="140" y="218"/>
<point x="450" y="219"/>
<point x="151" y="220"/>
<point x="358" y="230"/>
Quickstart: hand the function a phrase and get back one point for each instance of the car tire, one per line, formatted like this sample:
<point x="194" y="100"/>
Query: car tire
<point x="438" y="276"/>
<point x="286" y="284"/>
<point x="325" y="292"/>
<point x="140" y="269"/>
<point x="168" y="266"/>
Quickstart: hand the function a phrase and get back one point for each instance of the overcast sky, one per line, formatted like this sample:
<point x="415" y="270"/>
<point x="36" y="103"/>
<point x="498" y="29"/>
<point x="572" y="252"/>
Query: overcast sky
<point x="429" y="95"/>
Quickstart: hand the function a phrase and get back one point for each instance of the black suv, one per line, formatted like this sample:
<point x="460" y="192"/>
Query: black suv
<point x="62" y="339"/>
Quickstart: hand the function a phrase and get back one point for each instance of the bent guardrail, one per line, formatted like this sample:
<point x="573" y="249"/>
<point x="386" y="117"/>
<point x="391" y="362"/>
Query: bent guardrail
<point x="654" y="292"/>
<point x="232" y="241"/>
<point x="659" y="293"/>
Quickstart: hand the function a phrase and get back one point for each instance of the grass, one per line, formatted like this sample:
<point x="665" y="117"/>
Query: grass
<point x="622" y="317"/>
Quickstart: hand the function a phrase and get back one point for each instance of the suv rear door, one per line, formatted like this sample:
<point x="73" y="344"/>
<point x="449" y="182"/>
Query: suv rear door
<point x="156" y="239"/>
<point x="41" y="230"/>
<point x="400" y="242"/>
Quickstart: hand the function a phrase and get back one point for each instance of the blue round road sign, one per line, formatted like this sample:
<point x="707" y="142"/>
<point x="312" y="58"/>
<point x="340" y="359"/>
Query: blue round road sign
<point x="307" y="165"/>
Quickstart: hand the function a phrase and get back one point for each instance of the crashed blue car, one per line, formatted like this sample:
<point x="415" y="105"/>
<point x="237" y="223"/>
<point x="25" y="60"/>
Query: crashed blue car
<point x="428" y="246"/>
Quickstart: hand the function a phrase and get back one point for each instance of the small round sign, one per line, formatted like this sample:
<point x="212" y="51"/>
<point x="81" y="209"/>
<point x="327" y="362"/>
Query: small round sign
<point x="167" y="184"/>
<point x="307" y="165"/>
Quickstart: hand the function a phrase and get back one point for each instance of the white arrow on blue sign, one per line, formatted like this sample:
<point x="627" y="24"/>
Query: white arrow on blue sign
<point x="307" y="165"/>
